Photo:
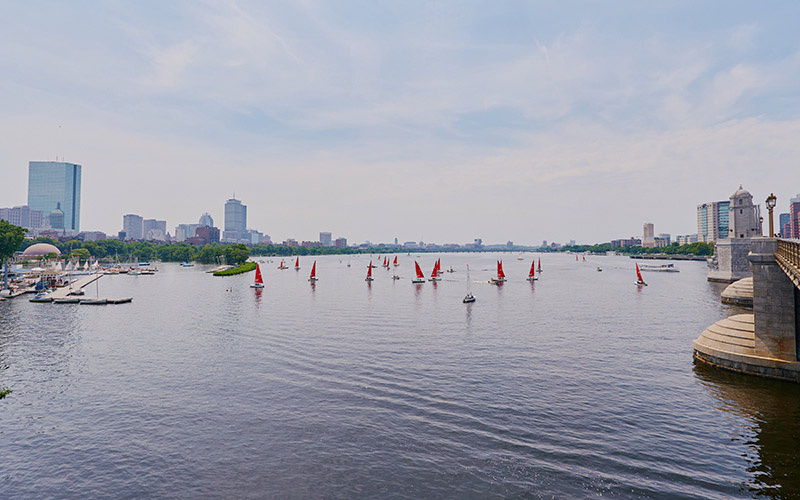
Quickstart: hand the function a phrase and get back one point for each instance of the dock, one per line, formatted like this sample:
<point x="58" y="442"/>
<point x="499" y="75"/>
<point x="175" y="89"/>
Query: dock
<point x="60" y="293"/>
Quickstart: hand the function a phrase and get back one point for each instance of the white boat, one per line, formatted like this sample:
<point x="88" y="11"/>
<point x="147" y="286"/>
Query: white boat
<point x="469" y="298"/>
<point x="43" y="296"/>
<point x="67" y="300"/>
<point x="94" y="301"/>
<point x="187" y="264"/>
<point x="663" y="268"/>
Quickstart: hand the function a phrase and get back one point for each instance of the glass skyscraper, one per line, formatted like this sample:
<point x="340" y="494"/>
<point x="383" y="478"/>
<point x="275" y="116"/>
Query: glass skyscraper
<point x="235" y="220"/>
<point x="54" y="182"/>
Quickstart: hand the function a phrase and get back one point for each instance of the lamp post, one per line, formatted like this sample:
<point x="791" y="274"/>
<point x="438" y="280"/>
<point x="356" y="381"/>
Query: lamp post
<point x="771" y="202"/>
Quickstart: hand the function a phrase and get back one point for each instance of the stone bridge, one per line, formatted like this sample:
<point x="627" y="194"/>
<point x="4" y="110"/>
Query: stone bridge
<point x="766" y="342"/>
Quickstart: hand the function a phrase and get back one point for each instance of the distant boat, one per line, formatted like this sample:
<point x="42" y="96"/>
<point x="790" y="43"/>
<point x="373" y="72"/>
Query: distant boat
<point x="283" y="265"/>
<point x="395" y="261"/>
<point x="420" y="276"/>
<point x="313" y="277"/>
<point x="532" y="273"/>
<point x="187" y="264"/>
<point x="639" y="281"/>
<point x="599" y="269"/>
<point x="435" y="272"/>
<point x="297" y="264"/>
<point x="369" y="273"/>
<point x="584" y="258"/>
<point x="259" y="283"/>
<point x="539" y="268"/>
<point x="520" y="257"/>
<point x="501" y="276"/>
<point x="469" y="298"/>
<point x="576" y="258"/>
<point x="438" y="267"/>
<point x="663" y="268"/>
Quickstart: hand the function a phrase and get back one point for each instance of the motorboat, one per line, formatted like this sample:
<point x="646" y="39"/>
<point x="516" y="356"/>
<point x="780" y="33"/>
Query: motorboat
<point x="599" y="269"/>
<point x="469" y="298"/>
<point x="187" y="264"/>
<point x="43" y="296"/>
<point x="663" y="268"/>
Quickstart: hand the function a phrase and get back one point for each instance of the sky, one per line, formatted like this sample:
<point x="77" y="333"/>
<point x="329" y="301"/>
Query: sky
<point x="420" y="120"/>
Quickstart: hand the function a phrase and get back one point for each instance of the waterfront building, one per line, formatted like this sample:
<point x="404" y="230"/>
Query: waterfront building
<point x="235" y="220"/>
<point x="204" y="235"/>
<point x="54" y="182"/>
<point x="206" y="220"/>
<point x="133" y="226"/>
<point x="730" y="254"/>
<point x="23" y="216"/>
<point x="794" y="218"/>
<point x="342" y="242"/>
<point x="648" y="237"/>
<point x="712" y="221"/>
<point x="630" y="242"/>
<point x="686" y="240"/>
<point x="325" y="239"/>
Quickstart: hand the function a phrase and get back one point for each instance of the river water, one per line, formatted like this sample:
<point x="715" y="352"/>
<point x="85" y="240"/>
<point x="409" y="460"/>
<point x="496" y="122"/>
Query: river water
<point x="577" y="386"/>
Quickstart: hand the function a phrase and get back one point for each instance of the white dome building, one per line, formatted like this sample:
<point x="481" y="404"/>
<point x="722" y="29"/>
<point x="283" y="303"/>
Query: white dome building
<point x="40" y="249"/>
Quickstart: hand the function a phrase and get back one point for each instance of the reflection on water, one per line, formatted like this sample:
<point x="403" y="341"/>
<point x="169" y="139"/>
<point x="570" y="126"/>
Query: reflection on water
<point x="771" y="410"/>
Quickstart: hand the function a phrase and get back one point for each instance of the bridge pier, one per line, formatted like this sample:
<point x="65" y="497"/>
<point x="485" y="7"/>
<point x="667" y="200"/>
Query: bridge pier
<point x="764" y="343"/>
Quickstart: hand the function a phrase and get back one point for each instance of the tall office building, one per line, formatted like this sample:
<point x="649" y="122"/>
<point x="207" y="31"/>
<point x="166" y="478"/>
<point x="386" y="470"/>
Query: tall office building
<point x="325" y="239"/>
<point x="783" y="225"/>
<point x="794" y="218"/>
<point x="154" y="230"/>
<point x="133" y="226"/>
<point x="648" y="237"/>
<point x="54" y="182"/>
<point x="712" y="221"/>
<point x="235" y="220"/>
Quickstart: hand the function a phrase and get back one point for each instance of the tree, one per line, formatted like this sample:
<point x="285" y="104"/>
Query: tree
<point x="236" y="254"/>
<point x="11" y="237"/>
<point x="209" y="254"/>
<point x="81" y="253"/>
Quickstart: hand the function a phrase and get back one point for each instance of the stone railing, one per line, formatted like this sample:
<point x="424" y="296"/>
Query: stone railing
<point x="788" y="258"/>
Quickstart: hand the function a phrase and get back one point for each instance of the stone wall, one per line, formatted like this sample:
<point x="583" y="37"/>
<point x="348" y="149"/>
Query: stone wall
<point x="773" y="304"/>
<point x="732" y="263"/>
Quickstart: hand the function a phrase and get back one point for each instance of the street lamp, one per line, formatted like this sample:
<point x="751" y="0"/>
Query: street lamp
<point x="771" y="202"/>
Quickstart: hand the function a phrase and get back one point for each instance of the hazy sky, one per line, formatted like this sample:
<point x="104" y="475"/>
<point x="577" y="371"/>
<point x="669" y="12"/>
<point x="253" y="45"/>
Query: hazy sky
<point x="445" y="121"/>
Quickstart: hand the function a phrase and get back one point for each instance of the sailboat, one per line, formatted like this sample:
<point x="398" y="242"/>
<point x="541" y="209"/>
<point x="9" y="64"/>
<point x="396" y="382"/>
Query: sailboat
<point x="576" y="258"/>
<point x="501" y="276"/>
<point x="584" y="258"/>
<point x="297" y="264"/>
<point x="313" y="278"/>
<point x="539" y="269"/>
<point x="435" y="272"/>
<point x="532" y="273"/>
<point x="639" y="280"/>
<point x="395" y="261"/>
<point x="283" y="265"/>
<point x="369" y="277"/>
<point x="259" y="283"/>
<point x="420" y="277"/>
<point x="438" y="267"/>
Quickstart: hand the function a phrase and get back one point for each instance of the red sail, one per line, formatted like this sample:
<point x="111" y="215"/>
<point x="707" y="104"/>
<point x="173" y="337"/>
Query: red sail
<point x="540" y="264"/>
<point x="395" y="260"/>
<point x="533" y="270"/>
<point x="435" y="271"/>
<point x="419" y="271"/>
<point x="438" y="266"/>
<point x="369" y="270"/>
<point x="500" y="273"/>
<point x="314" y="270"/>
<point x="258" y="275"/>
<point x="297" y="262"/>
<point x="639" y="274"/>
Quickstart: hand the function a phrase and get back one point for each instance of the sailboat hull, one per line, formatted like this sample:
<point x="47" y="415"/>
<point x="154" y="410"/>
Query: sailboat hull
<point x="257" y="285"/>
<point x="532" y="278"/>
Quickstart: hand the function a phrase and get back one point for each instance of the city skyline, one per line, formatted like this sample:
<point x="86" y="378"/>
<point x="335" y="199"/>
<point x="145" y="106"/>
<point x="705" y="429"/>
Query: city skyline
<point x="438" y="123"/>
